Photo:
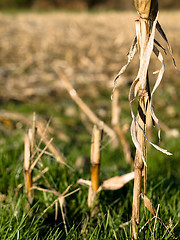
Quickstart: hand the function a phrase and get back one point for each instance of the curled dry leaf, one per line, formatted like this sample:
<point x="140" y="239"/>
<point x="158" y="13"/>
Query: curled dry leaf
<point x="148" y="204"/>
<point x="113" y="183"/>
<point x="84" y="182"/>
<point x="131" y="54"/>
<point x="117" y="182"/>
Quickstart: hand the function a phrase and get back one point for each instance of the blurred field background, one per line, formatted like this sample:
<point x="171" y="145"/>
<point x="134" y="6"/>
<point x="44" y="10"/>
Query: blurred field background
<point x="89" y="47"/>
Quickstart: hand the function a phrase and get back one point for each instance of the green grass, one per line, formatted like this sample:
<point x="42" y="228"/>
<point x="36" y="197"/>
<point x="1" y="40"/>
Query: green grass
<point x="114" y="207"/>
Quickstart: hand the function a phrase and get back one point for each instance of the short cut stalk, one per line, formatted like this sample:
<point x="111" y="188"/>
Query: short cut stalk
<point x="95" y="163"/>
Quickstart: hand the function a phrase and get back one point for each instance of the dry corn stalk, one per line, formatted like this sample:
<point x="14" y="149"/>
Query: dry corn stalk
<point x="110" y="184"/>
<point x="145" y="43"/>
<point x="95" y="164"/>
<point x="30" y="159"/>
<point x="29" y="148"/>
<point x="27" y="164"/>
<point x="147" y="8"/>
<point x="140" y="157"/>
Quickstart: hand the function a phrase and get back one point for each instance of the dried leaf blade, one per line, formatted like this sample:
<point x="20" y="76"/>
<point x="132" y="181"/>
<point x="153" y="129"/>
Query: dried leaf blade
<point x="117" y="182"/>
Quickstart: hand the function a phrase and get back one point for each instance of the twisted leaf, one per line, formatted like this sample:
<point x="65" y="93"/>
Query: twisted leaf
<point x="131" y="54"/>
<point x="162" y="33"/>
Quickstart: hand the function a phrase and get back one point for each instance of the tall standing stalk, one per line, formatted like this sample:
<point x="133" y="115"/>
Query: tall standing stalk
<point x="141" y="118"/>
<point x="146" y="43"/>
<point x="145" y="28"/>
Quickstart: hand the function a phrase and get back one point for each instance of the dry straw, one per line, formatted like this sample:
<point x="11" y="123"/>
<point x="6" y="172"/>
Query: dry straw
<point x="61" y="199"/>
<point x="82" y="105"/>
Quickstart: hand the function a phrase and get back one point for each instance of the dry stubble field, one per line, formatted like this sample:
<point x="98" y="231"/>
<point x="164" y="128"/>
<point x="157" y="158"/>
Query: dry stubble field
<point x="89" y="49"/>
